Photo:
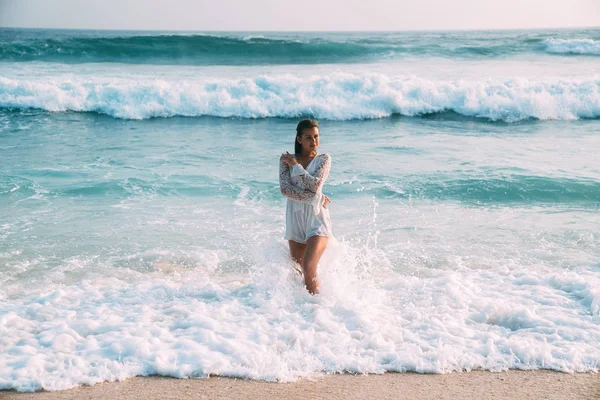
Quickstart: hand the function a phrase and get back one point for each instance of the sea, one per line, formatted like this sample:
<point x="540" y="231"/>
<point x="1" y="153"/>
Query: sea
<point x="141" y="220"/>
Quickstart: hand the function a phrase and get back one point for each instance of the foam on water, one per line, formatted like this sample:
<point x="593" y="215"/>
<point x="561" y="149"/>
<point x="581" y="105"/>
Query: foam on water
<point x="338" y="96"/>
<point x="189" y="323"/>
<point x="573" y="46"/>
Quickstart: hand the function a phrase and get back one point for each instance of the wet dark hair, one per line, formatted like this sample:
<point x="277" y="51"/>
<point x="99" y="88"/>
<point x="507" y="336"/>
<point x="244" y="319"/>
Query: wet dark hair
<point x="305" y="123"/>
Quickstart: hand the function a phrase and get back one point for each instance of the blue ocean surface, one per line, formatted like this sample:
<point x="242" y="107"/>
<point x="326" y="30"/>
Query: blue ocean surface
<point x="141" y="221"/>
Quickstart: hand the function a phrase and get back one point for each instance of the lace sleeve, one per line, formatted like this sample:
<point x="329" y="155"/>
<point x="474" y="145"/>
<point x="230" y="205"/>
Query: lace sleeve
<point x="289" y="190"/>
<point x="310" y="182"/>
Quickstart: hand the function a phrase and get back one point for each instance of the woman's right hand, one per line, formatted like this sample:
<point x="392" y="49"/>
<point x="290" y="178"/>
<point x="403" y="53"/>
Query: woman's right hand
<point x="289" y="159"/>
<point x="326" y="200"/>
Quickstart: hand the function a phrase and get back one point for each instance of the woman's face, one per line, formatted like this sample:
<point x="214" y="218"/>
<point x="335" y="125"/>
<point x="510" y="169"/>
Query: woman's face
<point x="309" y="140"/>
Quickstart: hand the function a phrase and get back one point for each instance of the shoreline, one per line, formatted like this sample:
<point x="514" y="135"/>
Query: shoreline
<point x="512" y="384"/>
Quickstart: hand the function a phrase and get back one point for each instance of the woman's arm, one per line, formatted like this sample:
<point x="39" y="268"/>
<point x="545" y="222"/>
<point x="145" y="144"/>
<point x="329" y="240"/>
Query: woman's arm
<point x="289" y="190"/>
<point x="310" y="182"/>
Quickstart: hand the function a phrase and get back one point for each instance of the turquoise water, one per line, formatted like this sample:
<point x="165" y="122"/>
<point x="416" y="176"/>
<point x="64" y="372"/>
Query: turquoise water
<point x="239" y="48"/>
<point x="141" y="221"/>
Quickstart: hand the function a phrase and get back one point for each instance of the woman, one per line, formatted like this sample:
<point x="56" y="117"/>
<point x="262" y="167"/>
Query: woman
<point x="301" y="178"/>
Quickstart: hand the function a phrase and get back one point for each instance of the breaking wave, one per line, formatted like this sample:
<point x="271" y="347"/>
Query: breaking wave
<point x="339" y="96"/>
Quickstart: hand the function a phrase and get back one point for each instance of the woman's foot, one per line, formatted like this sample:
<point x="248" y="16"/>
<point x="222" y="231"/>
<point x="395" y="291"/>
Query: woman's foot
<point x="312" y="286"/>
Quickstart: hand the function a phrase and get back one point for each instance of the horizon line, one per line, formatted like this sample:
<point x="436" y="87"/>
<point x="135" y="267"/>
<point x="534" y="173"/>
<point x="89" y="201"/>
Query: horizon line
<point x="307" y="31"/>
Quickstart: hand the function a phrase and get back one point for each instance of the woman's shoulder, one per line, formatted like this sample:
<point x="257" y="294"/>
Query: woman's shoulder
<point x="324" y="156"/>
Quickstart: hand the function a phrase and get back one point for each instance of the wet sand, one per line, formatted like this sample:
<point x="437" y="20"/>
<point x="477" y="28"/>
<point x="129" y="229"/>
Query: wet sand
<point x="468" y="385"/>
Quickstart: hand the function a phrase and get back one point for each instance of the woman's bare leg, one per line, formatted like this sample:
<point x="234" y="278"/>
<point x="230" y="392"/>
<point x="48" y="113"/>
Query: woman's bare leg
<point x="315" y="246"/>
<point x="297" y="252"/>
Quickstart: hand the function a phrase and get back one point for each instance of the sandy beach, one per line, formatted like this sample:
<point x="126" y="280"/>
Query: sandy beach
<point x="469" y="385"/>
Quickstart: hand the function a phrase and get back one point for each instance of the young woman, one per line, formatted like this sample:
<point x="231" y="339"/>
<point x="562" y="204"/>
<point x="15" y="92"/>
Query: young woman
<point x="301" y="178"/>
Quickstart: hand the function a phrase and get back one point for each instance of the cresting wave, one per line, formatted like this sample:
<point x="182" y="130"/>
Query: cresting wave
<point x="252" y="50"/>
<point x="185" y="49"/>
<point x="573" y="46"/>
<point x="339" y="96"/>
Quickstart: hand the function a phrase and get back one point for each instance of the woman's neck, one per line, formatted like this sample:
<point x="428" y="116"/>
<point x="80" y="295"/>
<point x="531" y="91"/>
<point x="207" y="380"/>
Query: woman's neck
<point x="309" y="155"/>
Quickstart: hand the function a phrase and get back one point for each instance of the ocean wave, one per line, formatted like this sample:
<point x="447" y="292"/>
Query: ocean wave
<point x="262" y="49"/>
<point x="189" y="49"/>
<point x="573" y="46"/>
<point x="510" y="189"/>
<point x="476" y="187"/>
<point x="468" y="187"/>
<point x="339" y="96"/>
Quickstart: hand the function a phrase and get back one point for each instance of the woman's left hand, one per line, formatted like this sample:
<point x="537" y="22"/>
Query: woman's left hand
<point x="289" y="159"/>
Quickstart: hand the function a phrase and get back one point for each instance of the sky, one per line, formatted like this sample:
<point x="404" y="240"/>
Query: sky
<point x="302" y="15"/>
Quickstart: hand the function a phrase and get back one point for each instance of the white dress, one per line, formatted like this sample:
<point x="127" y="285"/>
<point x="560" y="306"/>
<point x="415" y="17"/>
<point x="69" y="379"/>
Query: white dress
<point x="305" y="214"/>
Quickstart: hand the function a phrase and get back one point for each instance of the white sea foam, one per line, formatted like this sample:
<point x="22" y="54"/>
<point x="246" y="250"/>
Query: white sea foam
<point x="241" y="200"/>
<point x="573" y="46"/>
<point x="265" y="326"/>
<point x="250" y="37"/>
<point x="339" y="96"/>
